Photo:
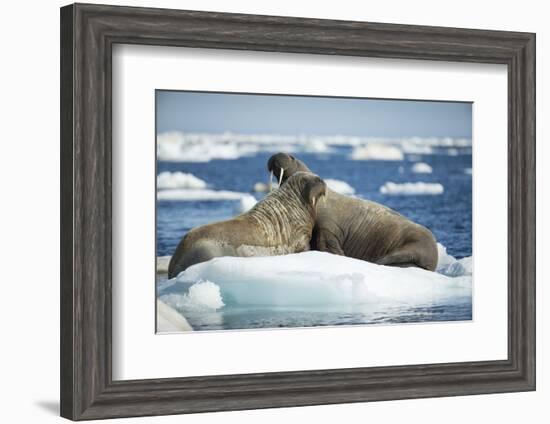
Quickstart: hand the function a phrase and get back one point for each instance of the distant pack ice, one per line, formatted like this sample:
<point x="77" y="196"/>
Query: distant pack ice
<point x="199" y="195"/>
<point x="182" y="180"/>
<point x="410" y="189"/>
<point x="421" y="168"/>
<point x="177" y="146"/>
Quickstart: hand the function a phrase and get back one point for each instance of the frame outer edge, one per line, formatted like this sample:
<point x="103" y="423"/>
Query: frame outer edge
<point x="529" y="185"/>
<point x="68" y="397"/>
<point x="87" y="32"/>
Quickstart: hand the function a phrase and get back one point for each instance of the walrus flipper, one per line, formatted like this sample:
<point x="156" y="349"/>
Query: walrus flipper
<point x="400" y="259"/>
<point x="327" y="242"/>
<point x="409" y="256"/>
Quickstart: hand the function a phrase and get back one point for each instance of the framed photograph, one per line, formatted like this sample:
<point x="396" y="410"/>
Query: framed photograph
<point x="265" y="211"/>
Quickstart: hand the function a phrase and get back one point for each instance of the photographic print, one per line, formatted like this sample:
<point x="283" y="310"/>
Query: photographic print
<point x="283" y="211"/>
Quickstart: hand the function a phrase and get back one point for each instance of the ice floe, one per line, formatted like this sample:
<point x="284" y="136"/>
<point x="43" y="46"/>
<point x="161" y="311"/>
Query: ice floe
<point x="169" y="320"/>
<point x="306" y="280"/>
<point x="310" y="278"/>
<point x="417" y="148"/>
<point x="170" y="180"/>
<point x="377" y="152"/>
<point x="180" y="147"/>
<point x="162" y="264"/>
<point x="418" y="188"/>
<point x="421" y="168"/>
<point x="199" y="195"/>
<point x="453" y="152"/>
<point x="339" y="186"/>
<point x="263" y="187"/>
<point x="450" y="266"/>
<point x="203" y="147"/>
<point x="201" y="295"/>
<point x="245" y="203"/>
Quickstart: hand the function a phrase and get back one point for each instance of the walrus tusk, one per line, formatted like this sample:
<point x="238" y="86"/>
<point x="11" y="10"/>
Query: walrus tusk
<point x="281" y="176"/>
<point x="270" y="183"/>
<point x="313" y="200"/>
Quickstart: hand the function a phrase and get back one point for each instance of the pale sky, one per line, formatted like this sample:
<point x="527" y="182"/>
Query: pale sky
<point x="252" y="113"/>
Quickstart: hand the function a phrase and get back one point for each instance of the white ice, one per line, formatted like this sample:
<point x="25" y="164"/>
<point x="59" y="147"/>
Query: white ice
<point x="312" y="279"/>
<point x="162" y="264"/>
<point x="197" y="195"/>
<point x="263" y="187"/>
<point x="339" y="186"/>
<point x="450" y="266"/>
<point x="201" y="295"/>
<point x="203" y="147"/>
<point x="179" y="147"/>
<point x="421" y="168"/>
<point x="170" y="180"/>
<point x="245" y="203"/>
<point x="409" y="189"/>
<point x="377" y="152"/>
<point x="452" y="151"/>
<point x="169" y="320"/>
<point x="416" y="147"/>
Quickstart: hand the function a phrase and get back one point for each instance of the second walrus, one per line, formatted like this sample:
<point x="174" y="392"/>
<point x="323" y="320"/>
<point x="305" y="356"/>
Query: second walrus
<point x="362" y="229"/>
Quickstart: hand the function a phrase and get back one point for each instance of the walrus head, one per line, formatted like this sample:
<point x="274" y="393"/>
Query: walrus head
<point x="309" y="186"/>
<point x="283" y="166"/>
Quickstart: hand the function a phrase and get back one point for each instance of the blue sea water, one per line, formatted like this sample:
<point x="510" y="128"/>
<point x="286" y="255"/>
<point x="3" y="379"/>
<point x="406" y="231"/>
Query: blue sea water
<point x="235" y="317"/>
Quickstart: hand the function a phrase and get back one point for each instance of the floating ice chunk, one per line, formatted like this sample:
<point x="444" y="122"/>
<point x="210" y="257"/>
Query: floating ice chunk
<point x="260" y="188"/>
<point x="202" y="295"/>
<point x="168" y="180"/>
<point x="443" y="142"/>
<point x="419" y="188"/>
<point x="245" y="203"/>
<point x="452" y="151"/>
<point x="179" y="147"/>
<point x="421" y="168"/>
<point x="339" y="186"/>
<point x="458" y="268"/>
<point x="443" y="258"/>
<point x="377" y="152"/>
<point x="468" y="171"/>
<point x="196" y="194"/>
<point x="316" y="145"/>
<point x="416" y="147"/>
<point x="203" y="147"/>
<point x="169" y="320"/>
<point x="450" y="266"/>
<point x="263" y="187"/>
<point x="162" y="264"/>
<point x="315" y="278"/>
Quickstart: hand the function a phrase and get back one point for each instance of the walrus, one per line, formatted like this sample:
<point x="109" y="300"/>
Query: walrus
<point x="279" y="224"/>
<point x="362" y="229"/>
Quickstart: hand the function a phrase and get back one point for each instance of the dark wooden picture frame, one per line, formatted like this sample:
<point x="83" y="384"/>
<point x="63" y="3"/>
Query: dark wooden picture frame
<point x="88" y="33"/>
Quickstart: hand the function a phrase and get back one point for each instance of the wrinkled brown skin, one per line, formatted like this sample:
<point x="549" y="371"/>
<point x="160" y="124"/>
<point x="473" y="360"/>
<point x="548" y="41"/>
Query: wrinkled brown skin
<point x="279" y="224"/>
<point x="363" y="229"/>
